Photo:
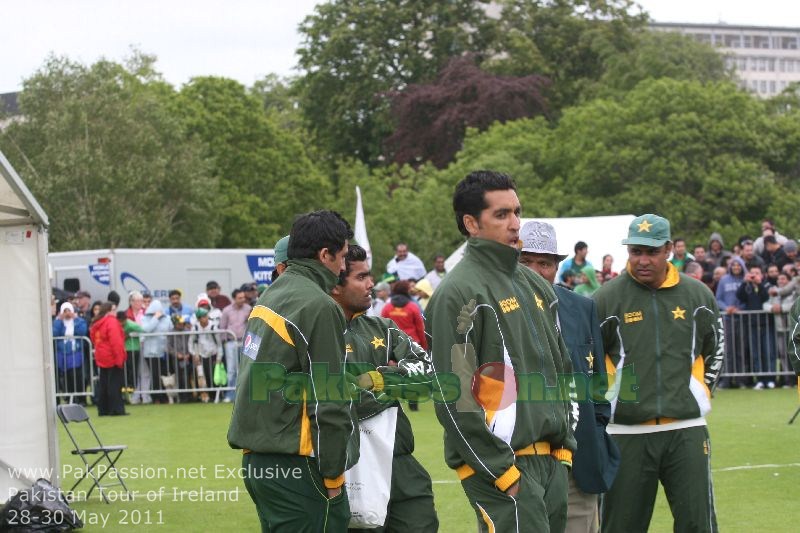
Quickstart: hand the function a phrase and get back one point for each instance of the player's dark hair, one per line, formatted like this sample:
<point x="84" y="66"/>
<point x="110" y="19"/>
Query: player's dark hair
<point x="173" y="292"/>
<point x="580" y="245"/>
<point x="314" y="231"/>
<point x="469" y="197"/>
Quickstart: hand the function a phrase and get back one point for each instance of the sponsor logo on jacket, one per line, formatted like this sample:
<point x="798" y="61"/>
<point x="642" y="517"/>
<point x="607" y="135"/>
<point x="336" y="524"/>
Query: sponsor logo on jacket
<point x="509" y="304"/>
<point x="633" y="316"/>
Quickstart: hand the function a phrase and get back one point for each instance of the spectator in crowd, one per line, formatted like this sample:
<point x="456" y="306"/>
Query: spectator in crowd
<point x="205" y="347"/>
<point x="589" y="283"/>
<point x="436" y="274"/>
<point x="780" y="306"/>
<point x="422" y="292"/>
<point x="576" y="263"/>
<point x="83" y="302"/>
<point x="147" y="299"/>
<point x="381" y="297"/>
<point x="179" y="360"/>
<point x="767" y="229"/>
<point x="214" y="314"/>
<point x="568" y="279"/>
<point x="759" y="328"/>
<point x="250" y="290"/>
<point x="69" y="352"/>
<point x="716" y="276"/>
<point x="281" y="258"/>
<point x="177" y="307"/>
<point x="405" y="265"/>
<point x="114" y="298"/>
<point x="154" y="347"/>
<point x="771" y="278"/>
<point x="729" y="305"/>
<point x="679" y="255"/>
<point x="94" y="310"/>
<point x="750" y="258"/>
<point x="217" y="299"/>
<point x="716" y="250"/>
<point x="137" y="373"/>
<point x="694" y="270"/>
<point x="607" y="272"/>
<point x="308" y="436"/>
<point x="647" y="312"/>
<point x="109" y="355"/>
<point x="699" y="253"/>
<point x="405" y="313"/>
<point x="234" y="318"/>
<point x="790" y="249"/>
<point x="597" y="459"/>
<point x="377" y="342"/>
<point x="773" y="252"/>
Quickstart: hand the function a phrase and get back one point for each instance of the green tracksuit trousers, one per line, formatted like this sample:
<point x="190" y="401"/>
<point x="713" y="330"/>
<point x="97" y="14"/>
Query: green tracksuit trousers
<point x="540" y="505"/>
<point x="290" y="496"/>
<point x="681" y="460"/>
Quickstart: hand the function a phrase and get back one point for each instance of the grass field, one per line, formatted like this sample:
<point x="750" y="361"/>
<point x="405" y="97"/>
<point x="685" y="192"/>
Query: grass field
<point x="756" y="463"/>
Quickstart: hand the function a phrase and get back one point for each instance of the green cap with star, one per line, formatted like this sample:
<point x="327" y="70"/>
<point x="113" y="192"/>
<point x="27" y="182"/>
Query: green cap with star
<point x="648" y="230"/>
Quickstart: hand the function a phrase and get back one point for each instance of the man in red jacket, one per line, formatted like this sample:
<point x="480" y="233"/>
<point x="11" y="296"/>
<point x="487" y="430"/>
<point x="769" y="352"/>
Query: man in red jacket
<point x="109" y="354"/>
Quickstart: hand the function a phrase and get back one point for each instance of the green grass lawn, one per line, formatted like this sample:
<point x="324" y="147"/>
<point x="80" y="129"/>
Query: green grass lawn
<point x="187" y="444"/>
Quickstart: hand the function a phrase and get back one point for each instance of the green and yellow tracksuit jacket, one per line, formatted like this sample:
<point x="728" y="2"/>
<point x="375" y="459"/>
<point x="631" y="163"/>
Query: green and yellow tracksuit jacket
<point x="375" y="341"/>
<point x="291" y="397"/>
<point x="511" y="329"/>
<point x="664" y="351"/>
<point x="793" y="341"/>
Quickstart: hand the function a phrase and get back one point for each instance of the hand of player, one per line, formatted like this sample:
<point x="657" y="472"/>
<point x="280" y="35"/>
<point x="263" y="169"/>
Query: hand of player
<point x="513" y="489"/>
<point x="360" y="382"/>
<point x="465" y="317"/>
<point x="332" y="493"/>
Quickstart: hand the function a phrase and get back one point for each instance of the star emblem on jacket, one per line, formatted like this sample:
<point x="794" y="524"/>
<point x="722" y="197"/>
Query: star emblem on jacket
<point x="539" y="301"/>
<point x="377" y="343"/>
<point x="645" y="226"/>
<point x="590" y="360"/>
<point x="678" y="313"/>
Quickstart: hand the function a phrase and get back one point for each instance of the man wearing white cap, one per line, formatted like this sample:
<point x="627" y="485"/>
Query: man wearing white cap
<point x="595" y="464"/>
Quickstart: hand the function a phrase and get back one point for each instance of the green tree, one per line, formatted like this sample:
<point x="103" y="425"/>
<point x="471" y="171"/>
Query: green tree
<point x="111" y="164"/>
<point x="355" y="50"/>
<point x="566" y="41"/>
<point x="266" y="176"/>
<point x="703" y="155"/>
<point x="662" y="55"/>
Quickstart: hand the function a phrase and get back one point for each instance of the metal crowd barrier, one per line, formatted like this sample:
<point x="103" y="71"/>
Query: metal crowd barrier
<point x="177" y="375"/>
<point x="72" y="383"/>
<point x="755" y="345"/>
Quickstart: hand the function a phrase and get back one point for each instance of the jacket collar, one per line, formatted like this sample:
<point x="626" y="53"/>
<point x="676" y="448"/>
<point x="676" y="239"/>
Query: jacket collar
<point x="494" y="255"/>
<point x="313" y="270"/>
<point x="672" y="279"/>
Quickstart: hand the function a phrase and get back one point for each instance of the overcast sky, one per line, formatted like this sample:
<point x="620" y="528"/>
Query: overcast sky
<point x="240" y="39"/>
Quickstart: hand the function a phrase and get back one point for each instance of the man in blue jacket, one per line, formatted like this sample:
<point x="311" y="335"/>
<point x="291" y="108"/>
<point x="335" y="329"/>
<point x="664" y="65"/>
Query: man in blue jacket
<point x="595" y="464"/>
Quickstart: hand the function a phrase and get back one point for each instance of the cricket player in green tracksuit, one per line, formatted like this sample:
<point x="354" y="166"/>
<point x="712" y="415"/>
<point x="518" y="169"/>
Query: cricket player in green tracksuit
<point x="378" y="343"/>
<point x="793" y="342"/>
<point x="663" y="337"/>
<point x="292" y="416"/>
<point x="492" y="324"/>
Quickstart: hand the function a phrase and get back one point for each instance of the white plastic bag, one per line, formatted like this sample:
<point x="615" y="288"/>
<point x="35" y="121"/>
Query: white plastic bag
<point x="369" y="482"/>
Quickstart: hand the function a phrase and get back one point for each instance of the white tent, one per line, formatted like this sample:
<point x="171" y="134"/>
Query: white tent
<point x="603" y="234"/>
<point x="28" y="436"/>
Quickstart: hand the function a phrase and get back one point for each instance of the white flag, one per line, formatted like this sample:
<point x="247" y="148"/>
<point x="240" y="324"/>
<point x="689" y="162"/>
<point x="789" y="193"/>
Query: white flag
<point x="360" y="232"/>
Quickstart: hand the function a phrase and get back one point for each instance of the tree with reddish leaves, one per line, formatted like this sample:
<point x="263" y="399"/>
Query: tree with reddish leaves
<point x="432" y="119"/>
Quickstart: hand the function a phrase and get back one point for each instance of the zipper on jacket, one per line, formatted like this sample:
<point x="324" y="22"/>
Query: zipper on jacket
<point x="658" y="354"/>
<point x="541" y="349"/>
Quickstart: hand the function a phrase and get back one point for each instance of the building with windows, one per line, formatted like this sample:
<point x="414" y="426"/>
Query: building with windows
<point x="766" y="59"/>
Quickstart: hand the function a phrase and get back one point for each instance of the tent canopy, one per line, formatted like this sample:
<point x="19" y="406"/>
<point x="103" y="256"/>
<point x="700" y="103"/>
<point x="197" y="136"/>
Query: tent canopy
<point x="28" y="437"/>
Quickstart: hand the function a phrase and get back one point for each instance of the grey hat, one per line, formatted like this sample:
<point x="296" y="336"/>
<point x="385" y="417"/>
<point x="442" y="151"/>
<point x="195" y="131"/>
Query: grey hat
<point x="539" y="238"/>
<point x="382" y="286"/>
<point x="790" y="246"/>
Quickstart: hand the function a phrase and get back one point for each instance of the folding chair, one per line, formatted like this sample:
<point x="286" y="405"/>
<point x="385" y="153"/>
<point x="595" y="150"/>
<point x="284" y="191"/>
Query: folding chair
<point x="75" y="413"/>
